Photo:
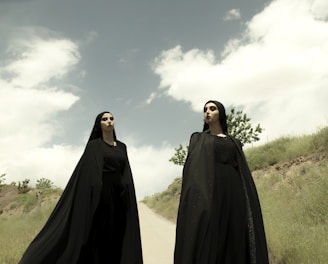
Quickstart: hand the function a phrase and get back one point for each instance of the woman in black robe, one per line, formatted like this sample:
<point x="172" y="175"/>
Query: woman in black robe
<point x="219" y="217"/>
<point x="96" y="219"/>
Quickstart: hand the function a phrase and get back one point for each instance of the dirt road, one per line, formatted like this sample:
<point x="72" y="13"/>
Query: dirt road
<point x="157" y="237"/>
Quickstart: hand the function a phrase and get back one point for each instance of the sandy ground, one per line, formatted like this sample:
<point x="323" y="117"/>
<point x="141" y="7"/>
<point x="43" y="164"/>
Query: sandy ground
<point x="157" y="237"/>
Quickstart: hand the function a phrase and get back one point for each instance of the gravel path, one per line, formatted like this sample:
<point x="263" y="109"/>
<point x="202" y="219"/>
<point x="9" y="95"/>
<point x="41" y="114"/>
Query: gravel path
<point x="157" y="237"/>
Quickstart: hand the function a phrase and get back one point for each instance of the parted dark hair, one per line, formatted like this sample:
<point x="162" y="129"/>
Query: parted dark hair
<point x="222" y="116"/>
<point x="96" y="130"/>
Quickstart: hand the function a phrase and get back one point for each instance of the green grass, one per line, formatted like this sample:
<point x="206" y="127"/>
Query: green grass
<point x="295" y="213"/>
<point x="165" y="203"/>
<point x="287" y="148"/>
<point x="17" y="232"/>
<point x="25" y="219"/>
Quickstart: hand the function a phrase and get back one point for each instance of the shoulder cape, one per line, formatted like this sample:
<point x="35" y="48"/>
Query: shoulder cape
<point x="67" y="229"/>
<point x="196" y="205"/>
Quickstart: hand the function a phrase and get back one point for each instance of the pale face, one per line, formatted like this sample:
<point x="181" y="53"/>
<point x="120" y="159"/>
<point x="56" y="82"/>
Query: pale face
<point x="211" y="113"/>
<point x="107" y="122"/>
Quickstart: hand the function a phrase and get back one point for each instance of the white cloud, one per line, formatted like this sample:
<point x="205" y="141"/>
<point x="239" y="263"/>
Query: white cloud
<point x="276" y="71"/>
<point x="55" y="163"/>
<point x="32" y="94"/>
<point x="320" y="9"/>
<point x="37" y="61"/>
<point x="152" y="97"/>
<point x="151" y="169"/>
<point x="233" y="14"/>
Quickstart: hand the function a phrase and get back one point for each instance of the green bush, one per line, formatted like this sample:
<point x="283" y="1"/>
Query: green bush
<point x="44" y="183"/>
<point x="23" y="186"/>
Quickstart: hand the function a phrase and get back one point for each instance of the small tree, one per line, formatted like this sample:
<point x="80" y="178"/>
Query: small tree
<point x="180" y="155"/>
<point x="23" y="186"/>
<point x="238" y="126"/>
<point x="2" y="179"/>
<point x="44" y="183"/>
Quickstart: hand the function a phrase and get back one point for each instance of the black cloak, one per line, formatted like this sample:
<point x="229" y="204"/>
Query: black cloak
<point x="195" y="222"/>
<point x="66" y="231"/>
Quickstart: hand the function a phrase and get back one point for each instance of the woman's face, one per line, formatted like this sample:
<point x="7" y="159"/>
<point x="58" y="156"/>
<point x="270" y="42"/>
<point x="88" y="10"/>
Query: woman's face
<point x="211" y="113"/>
<point x="107" y="122"/>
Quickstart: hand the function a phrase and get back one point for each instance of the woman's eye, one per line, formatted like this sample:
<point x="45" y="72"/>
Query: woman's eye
<point x="212" y="108"/>
<point x="106" y="118"/>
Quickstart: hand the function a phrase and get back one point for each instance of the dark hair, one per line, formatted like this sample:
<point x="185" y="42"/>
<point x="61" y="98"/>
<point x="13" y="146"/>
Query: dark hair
<point x="222" y="116"/>
<point x="96" y="131"/>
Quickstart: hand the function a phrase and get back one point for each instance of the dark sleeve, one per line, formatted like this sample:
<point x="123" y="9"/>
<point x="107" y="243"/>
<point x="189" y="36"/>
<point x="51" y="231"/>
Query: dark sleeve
<point x="192" y="143"/>
<point x="195" y="206"/>
<point x="255" y="219"/>
<point x="132" y="239"/>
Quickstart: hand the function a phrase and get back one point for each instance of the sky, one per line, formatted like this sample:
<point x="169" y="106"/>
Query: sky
<point x="153" y="64"/>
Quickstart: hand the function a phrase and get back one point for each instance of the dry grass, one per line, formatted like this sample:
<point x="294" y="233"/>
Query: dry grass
<point x="294" y="211"/>
<point x="21" y="219"/>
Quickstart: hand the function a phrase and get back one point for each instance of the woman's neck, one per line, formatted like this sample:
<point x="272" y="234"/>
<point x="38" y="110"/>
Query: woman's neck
<point x="108" y="138"/>
<point x="216" y="129"/>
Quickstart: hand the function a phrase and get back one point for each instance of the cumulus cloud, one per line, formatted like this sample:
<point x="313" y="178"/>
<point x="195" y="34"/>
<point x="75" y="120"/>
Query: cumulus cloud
<point x="151" y="168"/>
<point x="233" y="14"/>
<point x="30" y="99"/>
<point x="319" y="9"/>
<point x="276" y="71"/>
<point x="55" y="163"/>
<point x="36" y="61"/>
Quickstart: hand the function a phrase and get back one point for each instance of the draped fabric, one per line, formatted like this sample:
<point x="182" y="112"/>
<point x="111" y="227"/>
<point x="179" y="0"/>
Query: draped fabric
<point x="67" y="231"/>
<point x="219" y="217"/>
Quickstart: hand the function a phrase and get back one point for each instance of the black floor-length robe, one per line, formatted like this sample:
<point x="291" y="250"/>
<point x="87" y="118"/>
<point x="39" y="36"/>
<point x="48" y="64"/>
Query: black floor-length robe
<point x="66" y="234"/>
<point x="219" y="217"/>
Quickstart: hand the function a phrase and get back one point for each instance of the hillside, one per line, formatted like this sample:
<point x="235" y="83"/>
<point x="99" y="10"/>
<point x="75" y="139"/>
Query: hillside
<point x="21" y="217"/>
<point x="12" y="203"/>
<point x="291" y="175"/>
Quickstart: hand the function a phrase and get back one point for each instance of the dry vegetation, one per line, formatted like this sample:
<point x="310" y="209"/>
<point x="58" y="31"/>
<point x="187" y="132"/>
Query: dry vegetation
<point x="21" y="218"/>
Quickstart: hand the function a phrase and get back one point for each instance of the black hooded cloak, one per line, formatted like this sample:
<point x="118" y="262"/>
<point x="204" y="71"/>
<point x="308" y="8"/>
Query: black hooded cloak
<point x="66" y="233"/>
<point x="200" y="237"/>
